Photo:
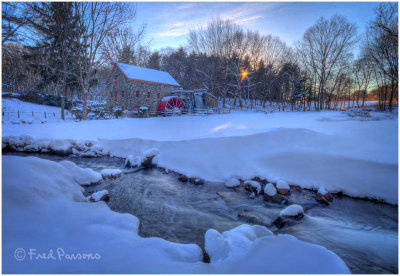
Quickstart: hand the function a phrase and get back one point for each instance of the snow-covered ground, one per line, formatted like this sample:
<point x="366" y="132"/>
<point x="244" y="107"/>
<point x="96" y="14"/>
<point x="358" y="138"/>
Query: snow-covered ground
<point x="49" y="227"/>
<point x="10" y="107"/>
<point x="356" y="155"/>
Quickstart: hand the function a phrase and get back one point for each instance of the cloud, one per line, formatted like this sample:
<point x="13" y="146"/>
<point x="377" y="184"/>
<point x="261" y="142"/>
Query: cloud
<point x="187" y="6"/>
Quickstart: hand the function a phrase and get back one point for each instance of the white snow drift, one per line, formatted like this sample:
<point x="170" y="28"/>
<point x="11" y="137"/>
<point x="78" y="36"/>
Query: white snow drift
<point x="45" y="215"/>
<point x="308" y="149"/>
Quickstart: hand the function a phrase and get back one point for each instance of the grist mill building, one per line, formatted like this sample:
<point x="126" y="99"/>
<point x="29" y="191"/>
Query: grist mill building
<point x="132" y="87"/>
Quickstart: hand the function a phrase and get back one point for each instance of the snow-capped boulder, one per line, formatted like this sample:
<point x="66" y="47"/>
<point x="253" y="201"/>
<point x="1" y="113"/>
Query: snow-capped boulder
<point x="252" y="186"/>
<point x="132" y="161"/>
<point x="82" y="176"/>
<point x="88" y="153"/>
<point x="147" y="158"/>
<point x="196" y="181"/>
<point x="293" y="210"/>
<point x="271" y="195"/>
<point x="323" y="196"/>
<point x="282" y="187"/>
<point x="111" y="173"/>
<point x="232" y="183"/>
<point x="290" y="215"/>
<point x="270" y="189"/>
<point x="102" y="195"/>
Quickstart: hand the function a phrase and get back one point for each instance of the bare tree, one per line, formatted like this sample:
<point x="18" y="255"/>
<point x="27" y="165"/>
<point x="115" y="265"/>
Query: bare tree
<point x="382" y="43"/>
<point x="97" y="20"/>
<point x="326" y="47"/>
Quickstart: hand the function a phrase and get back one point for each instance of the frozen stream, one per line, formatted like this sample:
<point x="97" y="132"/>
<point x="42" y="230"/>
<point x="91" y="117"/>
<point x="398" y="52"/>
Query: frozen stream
<point x="362" y="233"/>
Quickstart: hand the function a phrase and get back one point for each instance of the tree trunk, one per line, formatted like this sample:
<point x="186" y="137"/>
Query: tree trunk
<point x="84" y="108"/>
<point x="63" y="98"/>
<point x="391" y="96"/>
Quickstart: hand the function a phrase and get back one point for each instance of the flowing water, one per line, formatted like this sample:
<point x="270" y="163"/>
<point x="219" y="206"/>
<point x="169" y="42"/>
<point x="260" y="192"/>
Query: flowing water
<point x="363" y="233"/>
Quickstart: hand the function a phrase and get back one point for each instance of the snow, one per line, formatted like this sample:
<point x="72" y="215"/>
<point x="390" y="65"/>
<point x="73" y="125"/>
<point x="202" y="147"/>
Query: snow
<point x="150" y="152"/>
<point x="282" y="185"/>
<point x="10" y="107"/>
<point x="322" y="191"/>
<point x="255" y="249"/>
<point x="270" y="189"/>
<point x="98" y="195"/>
<point x="133" y="161"/>
<point x="254" y="184"/>
<point x="292" y="211"/>
<point x="232" y="182"/>
<point x="107" y="173"/>
<point x="46" y="211"/>
<point x="145" y="74"/>
<point x="307" y="149"/>
<point x="166" y="98"/>
<point x="82" y="176"/>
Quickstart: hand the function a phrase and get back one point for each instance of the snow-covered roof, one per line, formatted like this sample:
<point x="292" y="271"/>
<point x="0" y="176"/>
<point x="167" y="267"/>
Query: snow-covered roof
<point x="133" y="72"/>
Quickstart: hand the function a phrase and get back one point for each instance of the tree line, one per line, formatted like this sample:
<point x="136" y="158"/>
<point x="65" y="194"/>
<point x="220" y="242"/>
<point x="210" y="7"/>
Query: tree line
<point x="66" y="49"/>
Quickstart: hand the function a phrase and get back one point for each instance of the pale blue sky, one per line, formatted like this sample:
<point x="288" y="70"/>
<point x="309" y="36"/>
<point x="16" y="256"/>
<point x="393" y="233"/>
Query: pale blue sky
<point x="168" y="23"/>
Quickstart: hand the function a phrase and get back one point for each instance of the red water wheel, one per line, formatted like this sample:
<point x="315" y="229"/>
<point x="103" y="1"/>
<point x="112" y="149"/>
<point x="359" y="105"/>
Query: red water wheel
<point x="169" y="105"/>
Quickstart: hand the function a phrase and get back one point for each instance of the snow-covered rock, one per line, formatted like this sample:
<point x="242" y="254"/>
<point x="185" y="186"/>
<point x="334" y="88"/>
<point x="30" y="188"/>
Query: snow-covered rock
<point x="322" y="191"/>
<point x="270" y="189"/>
<point x="232" y="183"/>
<point x="271" y="195"/>
<point x="293" y="210"/>
<point x="323" y="196"/>
<point x="133" y="161"/>
<point x="100" y="195"/>
<point x="253" y="186"/>
<point x="83" y="176"/>
<point x="282" y="187"/>
<point x="111" y="173"/>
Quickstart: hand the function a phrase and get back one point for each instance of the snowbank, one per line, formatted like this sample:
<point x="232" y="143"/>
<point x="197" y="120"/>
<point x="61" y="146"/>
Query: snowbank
<point x="254" y="249"/>
<point x="356" y="157"/>
<point x="44" y="209"/>
<point x="82" y="176"/>
<point x="45" y="215"/>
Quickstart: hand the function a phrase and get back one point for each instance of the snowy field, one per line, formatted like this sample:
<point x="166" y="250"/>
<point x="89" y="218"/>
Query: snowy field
<point x="10" y="107"/>
<point x="356" y="155"/>
<point x="327" y="150"/>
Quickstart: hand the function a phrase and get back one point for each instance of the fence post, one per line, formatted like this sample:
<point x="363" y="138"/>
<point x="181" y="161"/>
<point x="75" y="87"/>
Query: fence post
<point x="3" y="113"/>
<point x="54" y="114"/>
<point x="18" y="114"/>
<point x="45" y="114"/>
<point x="32" y="113"/>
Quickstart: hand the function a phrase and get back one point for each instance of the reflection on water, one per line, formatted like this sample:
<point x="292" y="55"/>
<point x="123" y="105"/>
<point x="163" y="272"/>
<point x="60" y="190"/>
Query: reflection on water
<point x="362" y="233"/>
